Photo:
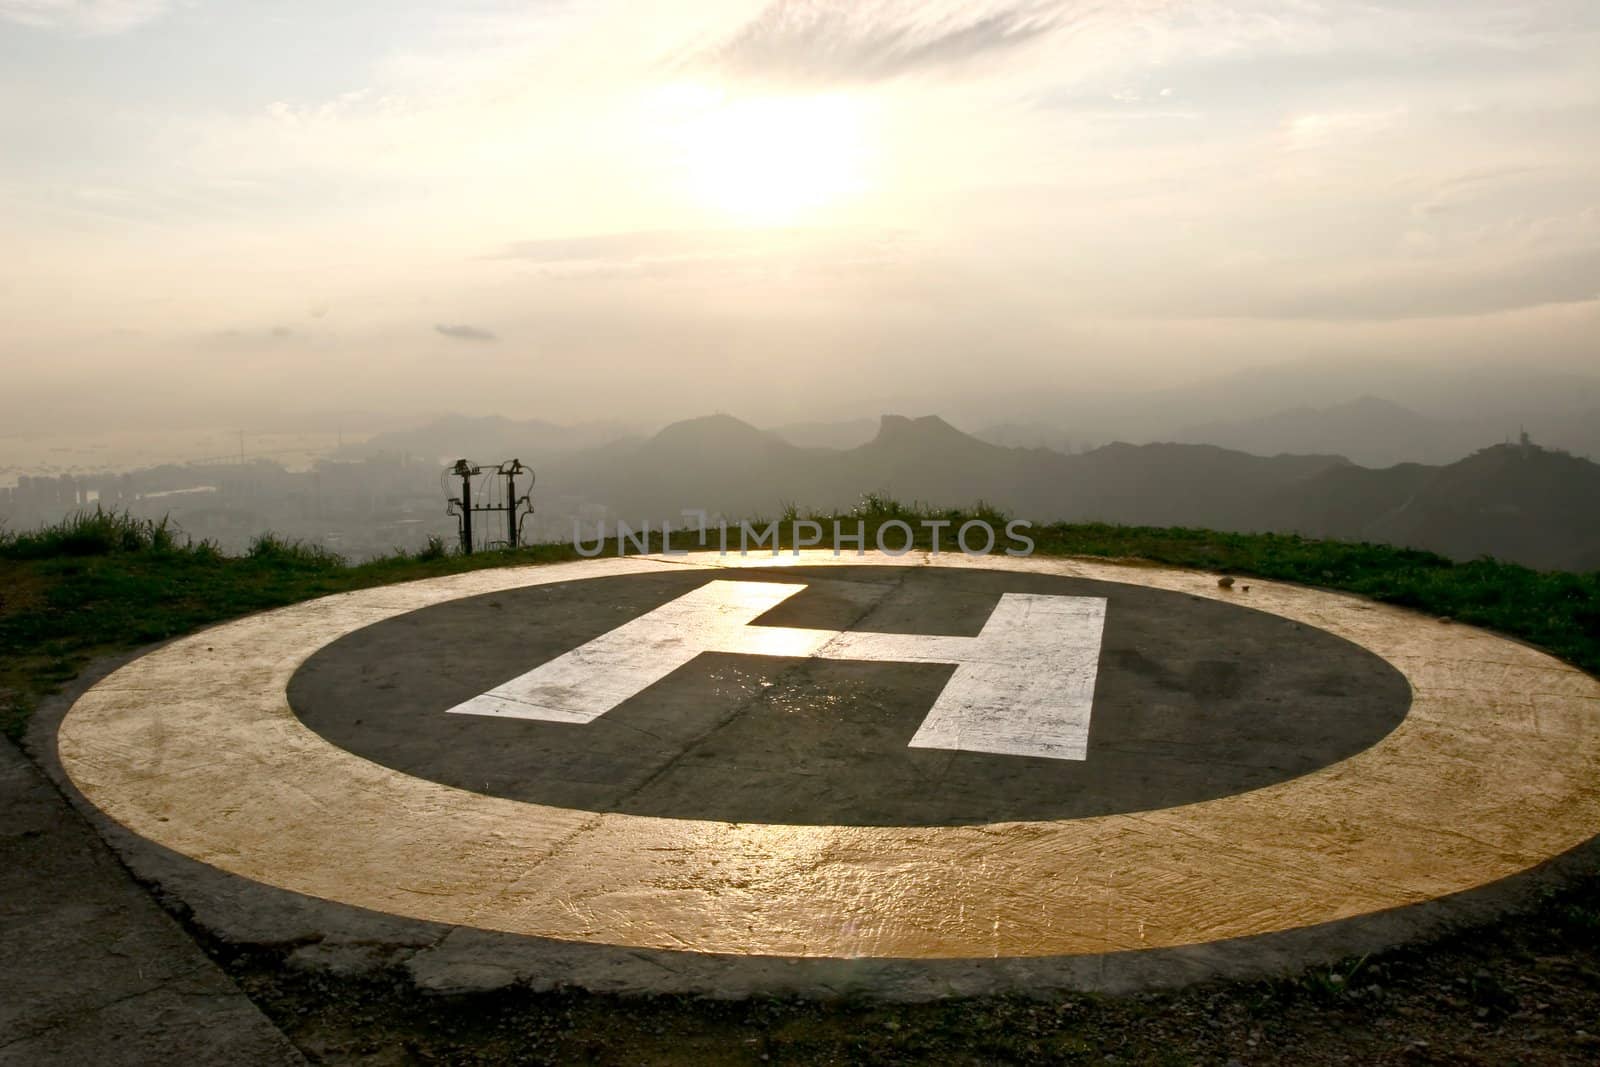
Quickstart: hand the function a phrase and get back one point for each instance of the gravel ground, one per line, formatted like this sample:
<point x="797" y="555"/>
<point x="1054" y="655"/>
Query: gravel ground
<point x="1524" y="991"/>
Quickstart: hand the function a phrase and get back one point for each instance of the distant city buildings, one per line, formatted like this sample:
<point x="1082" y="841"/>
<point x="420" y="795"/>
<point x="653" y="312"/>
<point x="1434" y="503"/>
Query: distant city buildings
<point x="357" y="508"/>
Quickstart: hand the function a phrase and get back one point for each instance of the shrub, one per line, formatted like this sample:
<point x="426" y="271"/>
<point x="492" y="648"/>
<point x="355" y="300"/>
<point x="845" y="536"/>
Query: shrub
<point x="90" y="533"/>
<point x="270" y="548"/>
<point x="434" y="549"/>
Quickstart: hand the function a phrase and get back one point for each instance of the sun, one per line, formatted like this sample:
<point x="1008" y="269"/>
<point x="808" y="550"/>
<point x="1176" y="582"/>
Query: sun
<point x="773" y="160"/>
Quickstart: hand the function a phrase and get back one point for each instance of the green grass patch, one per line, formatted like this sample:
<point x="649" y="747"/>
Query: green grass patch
<point x="99" y="582"/>
<point x="89" y="533"/>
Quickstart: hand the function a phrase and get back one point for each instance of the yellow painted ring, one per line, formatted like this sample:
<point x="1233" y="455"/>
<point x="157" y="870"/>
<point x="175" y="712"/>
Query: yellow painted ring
<point x="1493" y="770"/>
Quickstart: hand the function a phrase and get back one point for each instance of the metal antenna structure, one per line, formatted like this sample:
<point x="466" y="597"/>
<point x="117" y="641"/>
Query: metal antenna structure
<point x="505" y="489"/>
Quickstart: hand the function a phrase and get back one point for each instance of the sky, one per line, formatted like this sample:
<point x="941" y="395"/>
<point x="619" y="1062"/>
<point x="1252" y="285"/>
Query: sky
<point x="218" y="210"/>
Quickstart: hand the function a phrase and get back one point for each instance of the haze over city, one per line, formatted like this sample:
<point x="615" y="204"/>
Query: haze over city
<point x="293" y="218"/>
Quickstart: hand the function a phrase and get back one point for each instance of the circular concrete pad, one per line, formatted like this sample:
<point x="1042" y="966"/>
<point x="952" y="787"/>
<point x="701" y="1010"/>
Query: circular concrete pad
<point x="1194" y="699"/>
<point x="1234" y="816"/>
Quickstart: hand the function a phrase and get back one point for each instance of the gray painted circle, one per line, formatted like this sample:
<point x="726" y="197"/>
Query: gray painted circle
<point x="1195" y="699"/>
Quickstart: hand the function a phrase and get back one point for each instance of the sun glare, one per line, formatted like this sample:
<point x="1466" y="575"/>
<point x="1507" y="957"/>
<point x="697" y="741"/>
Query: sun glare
<point x="773" y="160"/>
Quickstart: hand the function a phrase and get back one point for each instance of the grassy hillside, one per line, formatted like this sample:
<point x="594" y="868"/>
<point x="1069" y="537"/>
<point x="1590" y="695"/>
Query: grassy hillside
<point x="100" y="583"/>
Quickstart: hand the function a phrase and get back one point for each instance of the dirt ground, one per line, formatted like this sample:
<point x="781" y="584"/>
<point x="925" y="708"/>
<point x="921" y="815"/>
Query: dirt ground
<point x="1525" y="991"/>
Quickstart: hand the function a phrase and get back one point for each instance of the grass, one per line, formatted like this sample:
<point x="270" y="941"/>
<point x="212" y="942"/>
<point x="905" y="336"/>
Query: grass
<point x="101" y="582"/>
<point x="90" y="533"/>
<point x="1555" y="610"/>
<point x="98" y="583"/>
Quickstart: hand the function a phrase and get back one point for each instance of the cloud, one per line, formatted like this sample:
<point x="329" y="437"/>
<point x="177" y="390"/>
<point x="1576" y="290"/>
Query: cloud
<point x="463" y="332"/>
<point x="821" y="42"/>
<point x="83" y="16"/>
<point x="712" y="252"/>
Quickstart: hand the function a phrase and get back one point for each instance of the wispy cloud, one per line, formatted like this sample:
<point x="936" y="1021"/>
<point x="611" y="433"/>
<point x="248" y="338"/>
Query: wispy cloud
<point x="821" y="42"/>
<point x="653" y="253"/>
<point x="463" y="332"/>
<point x="84" y="16"/>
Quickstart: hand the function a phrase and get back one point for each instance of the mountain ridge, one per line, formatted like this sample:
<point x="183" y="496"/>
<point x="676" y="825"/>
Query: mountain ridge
<point x="1484" y="504"/>
<point x="1519" y="502"/>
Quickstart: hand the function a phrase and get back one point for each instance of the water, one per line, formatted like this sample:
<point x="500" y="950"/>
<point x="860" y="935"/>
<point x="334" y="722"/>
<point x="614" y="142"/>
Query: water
<point x="90" y="452"/>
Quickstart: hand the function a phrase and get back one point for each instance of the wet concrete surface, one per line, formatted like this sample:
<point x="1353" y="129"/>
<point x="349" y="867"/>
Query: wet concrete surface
<point x="1195" y="699"/>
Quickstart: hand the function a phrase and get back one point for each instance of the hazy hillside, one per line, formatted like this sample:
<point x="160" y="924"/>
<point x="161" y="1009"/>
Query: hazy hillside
<point x="1035" y="435"/>
<point x="717" y="463"/>
<point x="1367" y="430"/>
<point x="1517" y="502"/>
<point x="848" y="433"/>
<point x="1449" y="390"/>
<point x="1377" y="433"/>
<point x="929" y="460"/>
<point x="1526" y="504"/>
<point x="487" y="438"/>
<point x="1375" y="414"/>
<point x="728" y="466"/>
<point x="1347" y="502"/>
<point x="1178" y="485"/>
<point x="1522" y="503"/>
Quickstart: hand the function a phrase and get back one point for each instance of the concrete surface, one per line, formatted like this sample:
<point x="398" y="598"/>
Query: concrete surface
<point x="1195" y="699"/>
<point x="1484" y="787"/>
<point x="91" y="970"/>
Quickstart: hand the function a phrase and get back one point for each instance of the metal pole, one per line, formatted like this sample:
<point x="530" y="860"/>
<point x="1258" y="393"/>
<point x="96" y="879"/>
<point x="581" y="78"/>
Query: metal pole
<point x="511" y="503"/>
<point x="466" y="507"/>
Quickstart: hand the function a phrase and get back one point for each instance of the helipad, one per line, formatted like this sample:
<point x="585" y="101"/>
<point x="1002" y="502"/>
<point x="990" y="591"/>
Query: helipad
<point x="913" y="775"/>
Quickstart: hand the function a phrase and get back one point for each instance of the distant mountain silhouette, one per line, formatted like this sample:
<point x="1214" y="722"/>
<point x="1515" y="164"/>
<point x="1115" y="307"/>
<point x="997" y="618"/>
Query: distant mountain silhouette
<point x="848" y="433"/>
<point x="486" y="438"/>
<point x="1376" y="412"/>
<point x="1493" y="395"/>
<point x="1520" y="503"/>
<point x="730" y="467"/>
<point x="1037" y="435"/>
<point x="1514" y="502"/>
<point x="927" y="459"/>
<point x="1448" y="390"/>
<point x="1367" y="430"/>
<point x="1182" y="485"/>
<point x="718" y="463"/>
<point x="1377" y="433"/>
